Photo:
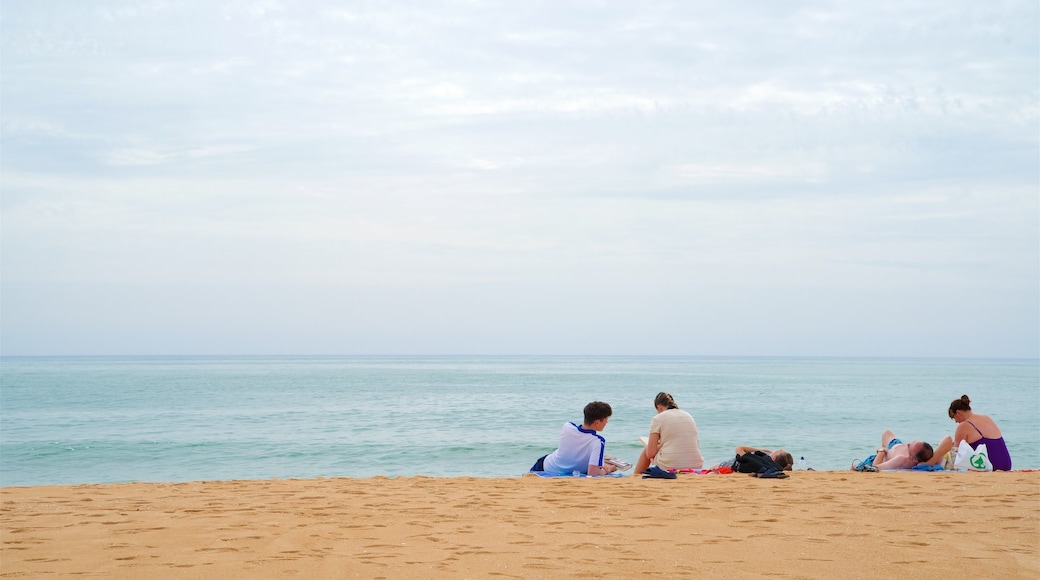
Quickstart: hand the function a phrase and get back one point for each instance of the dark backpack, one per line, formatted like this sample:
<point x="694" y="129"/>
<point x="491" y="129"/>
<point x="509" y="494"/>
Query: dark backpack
<point x="755" y="461"/>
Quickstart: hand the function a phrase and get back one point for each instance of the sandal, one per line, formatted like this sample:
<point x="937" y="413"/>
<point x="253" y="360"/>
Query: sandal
<point x="656" y="472"/>
<point x="770" y="473"/>
<point x="864" y="466"/>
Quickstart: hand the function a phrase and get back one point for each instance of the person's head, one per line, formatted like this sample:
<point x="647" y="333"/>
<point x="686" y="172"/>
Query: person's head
<point x="597" y="411"/>
<point x="665" y="400"/>
<point x="920" y="450"/>
<point x="783" y="459"/>
<point x="961" y="406"/>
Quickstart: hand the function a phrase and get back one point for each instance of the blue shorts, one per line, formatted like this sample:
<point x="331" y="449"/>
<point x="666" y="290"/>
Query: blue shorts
<point x="870" y="460"/>
<point x="540" y="464"/>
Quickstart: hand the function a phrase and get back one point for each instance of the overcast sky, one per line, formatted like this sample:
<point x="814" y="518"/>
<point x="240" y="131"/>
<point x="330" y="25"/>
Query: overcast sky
<point x="437" y="177"/>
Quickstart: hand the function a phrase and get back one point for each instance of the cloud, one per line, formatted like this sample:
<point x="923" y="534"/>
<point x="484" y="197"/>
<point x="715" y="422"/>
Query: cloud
<point x="607" y="154"/>
<point x="143" y="156"/>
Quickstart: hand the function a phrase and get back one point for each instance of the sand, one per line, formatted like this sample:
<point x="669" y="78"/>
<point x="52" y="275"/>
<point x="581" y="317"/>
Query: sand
<point x="811" y="525"/>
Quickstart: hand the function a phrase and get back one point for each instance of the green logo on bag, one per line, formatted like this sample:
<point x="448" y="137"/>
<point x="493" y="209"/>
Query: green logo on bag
<point x="978" y="460"/>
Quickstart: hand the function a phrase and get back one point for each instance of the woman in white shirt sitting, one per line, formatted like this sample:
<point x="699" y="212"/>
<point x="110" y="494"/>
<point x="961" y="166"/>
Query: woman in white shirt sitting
<point x="673" y="443"/>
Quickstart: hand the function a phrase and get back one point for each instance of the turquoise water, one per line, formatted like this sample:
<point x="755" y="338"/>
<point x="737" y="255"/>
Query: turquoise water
<point x="67" y="420"/>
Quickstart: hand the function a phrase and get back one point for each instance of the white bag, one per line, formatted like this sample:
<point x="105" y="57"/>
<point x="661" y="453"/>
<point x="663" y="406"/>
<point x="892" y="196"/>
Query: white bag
<point x="972" y="459"/>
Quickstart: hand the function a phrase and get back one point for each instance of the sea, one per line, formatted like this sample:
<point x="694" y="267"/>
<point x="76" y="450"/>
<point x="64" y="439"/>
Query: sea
<point x="78" y="420"/>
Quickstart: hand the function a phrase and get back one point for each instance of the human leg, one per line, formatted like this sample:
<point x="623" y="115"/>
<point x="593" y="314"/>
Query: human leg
<point x="944" y="447"/>
<point x="886" y="439"/>
<point x="643" y="463"/>
<point x="540" y="464"/>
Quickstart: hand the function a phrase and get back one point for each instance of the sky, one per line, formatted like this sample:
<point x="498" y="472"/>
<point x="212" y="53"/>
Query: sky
<point x="468" y="177"/>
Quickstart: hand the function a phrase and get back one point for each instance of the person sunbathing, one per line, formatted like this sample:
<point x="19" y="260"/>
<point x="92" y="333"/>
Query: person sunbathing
<point x="894" y="454"/>
<point x="779" y="456"/>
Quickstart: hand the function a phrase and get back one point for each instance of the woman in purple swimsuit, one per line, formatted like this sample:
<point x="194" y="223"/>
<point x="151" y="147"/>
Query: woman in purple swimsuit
<point x="977" y="429"/>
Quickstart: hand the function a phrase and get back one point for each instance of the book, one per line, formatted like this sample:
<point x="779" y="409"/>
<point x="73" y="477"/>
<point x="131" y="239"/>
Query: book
<point x="621" y="465"/>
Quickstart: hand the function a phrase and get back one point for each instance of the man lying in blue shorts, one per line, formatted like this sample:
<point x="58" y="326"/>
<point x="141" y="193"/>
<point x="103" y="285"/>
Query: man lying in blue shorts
<point x="894" y="454"/>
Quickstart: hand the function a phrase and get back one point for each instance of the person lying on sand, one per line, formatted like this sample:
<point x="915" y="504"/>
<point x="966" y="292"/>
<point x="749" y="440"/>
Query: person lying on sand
<point x="894" y="454"/>
<point x="779" y="456"/>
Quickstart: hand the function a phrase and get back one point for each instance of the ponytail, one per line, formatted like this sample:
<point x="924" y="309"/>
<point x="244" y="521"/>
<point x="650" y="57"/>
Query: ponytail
<point x="665" y="400"/>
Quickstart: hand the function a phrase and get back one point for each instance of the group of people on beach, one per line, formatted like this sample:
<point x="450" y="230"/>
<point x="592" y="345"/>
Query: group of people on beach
<point x="973" y="428"/>
<point x="673" y="444"/>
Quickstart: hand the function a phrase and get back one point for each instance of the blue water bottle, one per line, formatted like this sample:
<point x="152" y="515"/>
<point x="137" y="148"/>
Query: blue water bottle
<point x="801" y="464"/>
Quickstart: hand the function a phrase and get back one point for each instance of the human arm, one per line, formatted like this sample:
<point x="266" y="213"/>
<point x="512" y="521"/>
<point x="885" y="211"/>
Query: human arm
<point x="941" y="450"/>
<point x="748" y="449"/>
<point x="898" y="460"/>
<point x="887" y="438"/>
<point x="961" y="434"/>
<point x="596" y="463"/>
<point x="653" y="445"/>
<point x="885" y="459"/>
<point x="604" y="470"/>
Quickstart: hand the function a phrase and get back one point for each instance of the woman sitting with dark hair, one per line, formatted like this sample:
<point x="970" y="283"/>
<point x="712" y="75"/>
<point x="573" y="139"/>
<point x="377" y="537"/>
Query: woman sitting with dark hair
<point x="978" y="429"/>
<point x="673" y="443"/>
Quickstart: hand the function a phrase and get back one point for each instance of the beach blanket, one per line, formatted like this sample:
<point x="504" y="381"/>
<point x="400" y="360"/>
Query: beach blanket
<point x="926" y="467"/>
<point x="719" y="471"/>
<point x="548" y="474"/>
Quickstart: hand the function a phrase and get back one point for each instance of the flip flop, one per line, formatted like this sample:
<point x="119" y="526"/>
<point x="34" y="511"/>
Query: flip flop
<point x="863" y="466"/>
<point x="770" y="473"/>
<point x="774" y="473"/>
<point x="656" y="472"/>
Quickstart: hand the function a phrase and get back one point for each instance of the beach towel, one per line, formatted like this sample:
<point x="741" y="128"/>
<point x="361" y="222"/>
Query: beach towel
<point x="717" y="470"/>
<point x="926" y="467"/>
<point x="548" y="474"/>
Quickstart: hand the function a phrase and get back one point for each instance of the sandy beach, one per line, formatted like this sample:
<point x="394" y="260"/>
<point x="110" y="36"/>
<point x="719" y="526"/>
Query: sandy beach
<point x="811" y="525"/>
